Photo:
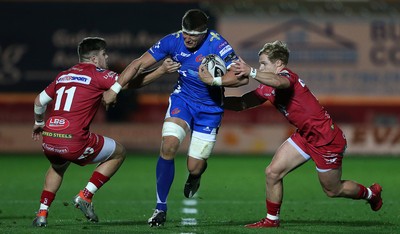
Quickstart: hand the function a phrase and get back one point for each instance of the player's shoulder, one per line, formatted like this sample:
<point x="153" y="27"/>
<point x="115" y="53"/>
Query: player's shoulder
<point x="96" y="72"/>
<point x="104" y="73"/>
<point x="173" y="36"/>
<point x="214" y="37"/>
<point x="286" y="72"/>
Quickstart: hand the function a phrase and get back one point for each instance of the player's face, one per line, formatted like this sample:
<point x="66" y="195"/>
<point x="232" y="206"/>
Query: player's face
<point x="192" y="40"/>
<point x="266" y="65"/>
<point x="102" y="58"/>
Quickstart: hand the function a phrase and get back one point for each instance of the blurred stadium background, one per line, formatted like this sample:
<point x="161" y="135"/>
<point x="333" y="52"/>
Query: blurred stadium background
<point x="348" y="52"/>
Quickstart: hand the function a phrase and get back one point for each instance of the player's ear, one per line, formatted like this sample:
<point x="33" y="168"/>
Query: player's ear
<point x="278" y="63"/>
<point x="94" y="59"/>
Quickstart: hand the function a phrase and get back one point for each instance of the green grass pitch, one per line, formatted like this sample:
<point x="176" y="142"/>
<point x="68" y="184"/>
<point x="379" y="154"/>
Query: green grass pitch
<point x="232" y="194"/>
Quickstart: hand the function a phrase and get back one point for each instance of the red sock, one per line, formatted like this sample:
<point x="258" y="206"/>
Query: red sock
<point x="273" y="208"/>
<point x="362" y="193"/>
<point x="98" y="179"/>
<point x="87" y="194"/>
<point x="47" y="197"/>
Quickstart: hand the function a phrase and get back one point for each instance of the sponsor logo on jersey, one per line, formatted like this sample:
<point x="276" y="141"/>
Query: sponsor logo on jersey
<point x="222" y="44"/>
<point x="100" y="69"/>
<point x="231" y="57"/>
<point x="215" y="36"/>
<point x="110" y="74"/>
<point x="175" y="111"/>
<point x="155" y="46"/>
<point x="199" y="58"/>
<point x="57" y="135"/>
<point x="225" y="50"/>
<point x="88" y="151"/>
<point x="60" y="150"/>
<point x="331" y="160"/>
<point x="57" y="123"/>
<point x="74" y="78"/>
<point x="184" y="55"/>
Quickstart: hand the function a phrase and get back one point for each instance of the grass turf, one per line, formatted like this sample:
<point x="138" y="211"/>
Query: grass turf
<point x="232" y="194"/>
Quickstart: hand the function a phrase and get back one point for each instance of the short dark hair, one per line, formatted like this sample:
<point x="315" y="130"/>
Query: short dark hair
<point x="89" y="45"/>
<point x="195" y="20"/>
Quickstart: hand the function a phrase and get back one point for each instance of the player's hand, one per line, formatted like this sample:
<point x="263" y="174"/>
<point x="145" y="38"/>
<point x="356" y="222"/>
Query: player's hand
<point x="170" y="66"/>
<point x="37" y="132"/>
<point x="109" y="98"/>
<point x="205" y="75"/>
<point x="241" y="68"/>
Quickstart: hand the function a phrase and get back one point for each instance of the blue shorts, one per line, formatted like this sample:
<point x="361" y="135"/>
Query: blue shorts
<point x="200" y="118"/>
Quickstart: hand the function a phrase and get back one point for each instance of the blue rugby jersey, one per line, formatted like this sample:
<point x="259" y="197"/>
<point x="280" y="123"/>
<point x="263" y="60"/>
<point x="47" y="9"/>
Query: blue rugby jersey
<point x="189" y="86"/>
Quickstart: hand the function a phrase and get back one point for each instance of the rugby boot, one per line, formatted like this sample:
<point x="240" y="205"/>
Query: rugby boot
<point x="376" y="200"/>
<point x="191" y="186"/>
<point x="158" y="218"/>
<point x="264" y="223"/>
<point x="41" y="219"/>
<point x="86" y="206"/>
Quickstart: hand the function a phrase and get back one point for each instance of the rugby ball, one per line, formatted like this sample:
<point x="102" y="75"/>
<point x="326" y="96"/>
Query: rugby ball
<point x="215" y="65"/>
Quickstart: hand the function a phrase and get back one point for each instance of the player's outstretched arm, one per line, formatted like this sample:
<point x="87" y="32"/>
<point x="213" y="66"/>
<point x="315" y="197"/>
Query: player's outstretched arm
<point x="135" y="68"/>
<point x="267" y="78"/>
<point x="246" y="101"/>
<point x="149" y="76"/>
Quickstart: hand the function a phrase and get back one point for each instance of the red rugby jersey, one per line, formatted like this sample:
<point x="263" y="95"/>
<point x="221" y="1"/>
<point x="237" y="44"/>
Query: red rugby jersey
<point x="301" y="108"/>
<point x="76" y="94"/>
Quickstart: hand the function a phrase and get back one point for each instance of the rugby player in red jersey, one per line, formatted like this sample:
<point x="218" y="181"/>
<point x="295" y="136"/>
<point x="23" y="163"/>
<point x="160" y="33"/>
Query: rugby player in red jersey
<point x="317" y="136"/>
<point x="76" y="94"/>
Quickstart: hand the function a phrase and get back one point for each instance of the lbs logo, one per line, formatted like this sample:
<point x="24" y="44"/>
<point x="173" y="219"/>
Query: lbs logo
<point x="57" y="123"/>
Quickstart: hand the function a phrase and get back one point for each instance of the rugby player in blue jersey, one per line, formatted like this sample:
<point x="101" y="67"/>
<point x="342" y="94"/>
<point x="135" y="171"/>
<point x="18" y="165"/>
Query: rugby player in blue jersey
<point x="194" y="107"/>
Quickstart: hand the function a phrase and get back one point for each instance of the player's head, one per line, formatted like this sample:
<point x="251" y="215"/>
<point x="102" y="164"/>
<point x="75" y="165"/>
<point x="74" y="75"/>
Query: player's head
<point x="194" y="27"/>
<point x="273" y="56"/>
<point x="93" y="50"/>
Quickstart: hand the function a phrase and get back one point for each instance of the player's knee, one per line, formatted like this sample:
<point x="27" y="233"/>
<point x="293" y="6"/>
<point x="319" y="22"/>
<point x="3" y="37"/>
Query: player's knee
<point x="119" y="152"/>
<point x="331" y="192"/>
<point x="60" y="168"/>
<point x="196" y="166"/>
<point x="169" y="147"/>
<point x="173" y="129"/>
<point x="271" y="173"/>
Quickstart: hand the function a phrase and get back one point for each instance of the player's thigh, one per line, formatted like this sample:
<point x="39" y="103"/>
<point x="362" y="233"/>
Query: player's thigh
<point x="104" y="151"/>
<point x="207" y="119"/>
<point x="119" y="152"/>
<point x="286" y="158"/>
<point x="201" y="145"/>
<point x="179" y="112"/>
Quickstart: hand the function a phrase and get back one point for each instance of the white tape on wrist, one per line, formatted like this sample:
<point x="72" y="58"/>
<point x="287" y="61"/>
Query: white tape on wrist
<point x="39" y="123"/>
<point x="253" y="73"/>
<point x="116" y="87"/>
<point x="217" y="81"/>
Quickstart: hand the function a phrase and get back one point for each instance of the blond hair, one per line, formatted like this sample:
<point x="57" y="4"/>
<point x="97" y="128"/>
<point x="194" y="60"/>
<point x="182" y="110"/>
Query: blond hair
<point x="276" y="50"/>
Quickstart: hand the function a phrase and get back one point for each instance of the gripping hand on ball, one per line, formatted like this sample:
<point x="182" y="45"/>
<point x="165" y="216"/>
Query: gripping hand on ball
<point x="205" y="75"/>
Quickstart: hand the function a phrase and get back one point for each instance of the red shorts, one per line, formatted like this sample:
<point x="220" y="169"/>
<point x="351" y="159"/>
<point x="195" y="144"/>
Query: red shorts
<point x="326" y="156"/>
<point x="80" y="154"/>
